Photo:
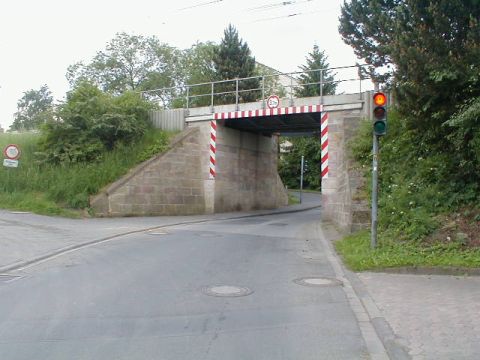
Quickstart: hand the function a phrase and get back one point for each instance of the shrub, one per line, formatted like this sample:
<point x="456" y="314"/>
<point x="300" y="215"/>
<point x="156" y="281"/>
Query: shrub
<point x="91" y="122"/>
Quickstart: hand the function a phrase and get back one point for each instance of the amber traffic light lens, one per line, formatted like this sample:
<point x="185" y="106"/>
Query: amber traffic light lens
<point x="379" y="99"/>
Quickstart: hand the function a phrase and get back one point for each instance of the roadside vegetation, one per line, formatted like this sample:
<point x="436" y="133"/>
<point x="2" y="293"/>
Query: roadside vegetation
<point x="64" y="189"/>
<point x="429" y="212"/>
<point x="99" y="138"/>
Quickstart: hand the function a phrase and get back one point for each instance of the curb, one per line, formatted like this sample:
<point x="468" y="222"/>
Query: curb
<point x="427" y="270"/>
<point x="82" y="245"/>
<point x="395" y="346"/>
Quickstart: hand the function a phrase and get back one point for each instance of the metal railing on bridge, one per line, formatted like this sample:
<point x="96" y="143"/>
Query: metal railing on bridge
<point x="258" y="88"/>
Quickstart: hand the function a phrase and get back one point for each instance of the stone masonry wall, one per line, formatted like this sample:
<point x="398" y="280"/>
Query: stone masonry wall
<point x="177" y="182"/>
<point x="171" y="183"/>
<point x="246" y="168"/>
<point x="341" y="203"/>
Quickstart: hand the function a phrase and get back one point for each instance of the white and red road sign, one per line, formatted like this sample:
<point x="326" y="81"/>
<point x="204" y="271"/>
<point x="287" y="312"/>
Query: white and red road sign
<point x="273" y="102"/>
<point x="11" y="152"/>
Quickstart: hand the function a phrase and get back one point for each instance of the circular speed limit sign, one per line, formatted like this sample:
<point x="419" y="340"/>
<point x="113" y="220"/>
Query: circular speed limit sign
<point x="11" y="152"/>
<point x="273" y="101"/>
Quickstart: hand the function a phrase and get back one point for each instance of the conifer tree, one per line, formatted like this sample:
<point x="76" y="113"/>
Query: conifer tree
<point x="316" y="60"/>
<point x="233" y="60"/>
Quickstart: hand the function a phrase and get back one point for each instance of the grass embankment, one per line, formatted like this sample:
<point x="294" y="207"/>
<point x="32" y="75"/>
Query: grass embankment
<point x="65" y="189"/>
<point x="425" y="219"/>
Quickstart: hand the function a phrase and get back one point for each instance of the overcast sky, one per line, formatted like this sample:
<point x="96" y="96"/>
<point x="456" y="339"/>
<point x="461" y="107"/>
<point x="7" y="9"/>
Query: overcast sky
<point x="39" y="39"/>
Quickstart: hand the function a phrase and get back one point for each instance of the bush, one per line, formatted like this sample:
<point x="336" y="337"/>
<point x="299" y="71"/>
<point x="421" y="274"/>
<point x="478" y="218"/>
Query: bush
<point x="415" y="185"/>
<point x="92" y="122"/>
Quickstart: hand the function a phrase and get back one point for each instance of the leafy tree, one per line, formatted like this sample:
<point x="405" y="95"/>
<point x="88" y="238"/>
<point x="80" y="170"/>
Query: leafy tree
<point x="311" y="79"/>
<point x="290" y="162"/>
<point x="434" y="47"/>
<point x="198" y="67"/>
<point x="33" y="109"/>
<point x="93" y="122"/>
<point x="129" y="62"/>
<point x="233" y="60"/>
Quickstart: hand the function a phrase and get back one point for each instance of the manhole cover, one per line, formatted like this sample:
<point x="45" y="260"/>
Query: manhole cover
<point x="317" y="281"/>
<point x="226" y="291"/>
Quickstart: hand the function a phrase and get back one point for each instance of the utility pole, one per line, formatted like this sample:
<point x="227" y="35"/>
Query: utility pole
<point x="373" y="240"/>
<point x="379" y="129"/>
<point x="301" y="178"/>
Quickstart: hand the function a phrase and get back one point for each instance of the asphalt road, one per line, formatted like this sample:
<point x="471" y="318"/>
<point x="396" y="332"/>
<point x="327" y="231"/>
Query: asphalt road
<point x="149" y="296"/>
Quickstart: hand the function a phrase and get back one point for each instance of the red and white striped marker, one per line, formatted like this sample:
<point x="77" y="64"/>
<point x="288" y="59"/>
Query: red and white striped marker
<point x="304" y="109"/>
<point x="324" y="145"/>
<point x="213" y="147"/>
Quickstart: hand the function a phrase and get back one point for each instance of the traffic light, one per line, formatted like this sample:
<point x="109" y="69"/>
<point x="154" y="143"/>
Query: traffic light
<point x="379" y="114"/>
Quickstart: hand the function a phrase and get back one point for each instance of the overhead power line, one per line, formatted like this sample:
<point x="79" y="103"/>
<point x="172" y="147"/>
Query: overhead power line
<point x="273" y="6"/>
<point x="287" y="16"/>
<point x="200" y="4"/>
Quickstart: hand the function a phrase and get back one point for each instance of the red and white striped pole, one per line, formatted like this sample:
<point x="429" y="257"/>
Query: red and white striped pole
<point x="213" y="147"/>
<point x="324" y="145"/>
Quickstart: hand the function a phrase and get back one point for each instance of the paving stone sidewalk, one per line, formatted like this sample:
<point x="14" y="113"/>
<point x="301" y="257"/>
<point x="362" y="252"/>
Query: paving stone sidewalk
<point x="437" y="315"/>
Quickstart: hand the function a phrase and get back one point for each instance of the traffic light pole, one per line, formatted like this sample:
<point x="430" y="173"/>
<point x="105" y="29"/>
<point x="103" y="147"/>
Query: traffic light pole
<point x="373" y="240"/>
<point x="301" y="179"/>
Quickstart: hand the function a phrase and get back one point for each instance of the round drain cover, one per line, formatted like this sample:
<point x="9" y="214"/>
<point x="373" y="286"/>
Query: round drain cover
<point x="317" y="281"/>
<point x="226" y="291"/>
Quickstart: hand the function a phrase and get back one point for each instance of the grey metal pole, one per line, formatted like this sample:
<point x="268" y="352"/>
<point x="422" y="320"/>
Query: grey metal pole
<point x="188" y="96"/>
<point x="236" y="94"/>
<point x="373" y="240"/>
<point x="211" y="100"/>
<point x="263" y="92"/>
<point x="291" y="91"/>
<point x="301" y="179"/>
<point x="321" y="87"/>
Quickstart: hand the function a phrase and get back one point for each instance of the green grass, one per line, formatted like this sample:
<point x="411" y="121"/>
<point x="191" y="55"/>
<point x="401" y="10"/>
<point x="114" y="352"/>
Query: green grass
<point x="293" y="200"/>
<point x="65" y="189"/>
<point x="307" y="191"/>
<point x="358" y="256"/>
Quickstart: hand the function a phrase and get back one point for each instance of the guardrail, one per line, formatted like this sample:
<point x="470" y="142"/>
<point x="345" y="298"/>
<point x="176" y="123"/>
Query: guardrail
<point x="251" y="89"/>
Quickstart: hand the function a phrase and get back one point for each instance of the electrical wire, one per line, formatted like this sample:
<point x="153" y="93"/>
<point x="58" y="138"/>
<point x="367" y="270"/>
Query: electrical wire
<point x="200" y="4"/>
<point x="277" y="5"/>
<point x="287" y="16"/>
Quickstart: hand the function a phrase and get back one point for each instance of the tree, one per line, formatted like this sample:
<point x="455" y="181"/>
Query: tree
<point x="290" y="162"/>
<point x="434" y="47"/>
<point x="311" y="79"/>
<point x="92" y="122"/>
<point x="129" y="62"/>
<point x="33" y="109"/>
<point x="198" y="67"/>
<point x="233" y="60"/>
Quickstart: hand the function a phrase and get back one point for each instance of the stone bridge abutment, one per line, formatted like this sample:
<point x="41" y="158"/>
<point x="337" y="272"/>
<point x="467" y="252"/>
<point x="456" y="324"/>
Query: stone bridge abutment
<point x="180" y="181"/>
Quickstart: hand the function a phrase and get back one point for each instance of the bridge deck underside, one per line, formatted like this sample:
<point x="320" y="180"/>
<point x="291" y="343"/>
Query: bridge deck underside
<point x="289" y="124"/>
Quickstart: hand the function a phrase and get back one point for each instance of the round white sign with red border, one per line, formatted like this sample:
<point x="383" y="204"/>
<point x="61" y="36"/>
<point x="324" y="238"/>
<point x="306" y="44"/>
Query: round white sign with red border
<point x="273" y="102"/>
<point x="11" y="152"/>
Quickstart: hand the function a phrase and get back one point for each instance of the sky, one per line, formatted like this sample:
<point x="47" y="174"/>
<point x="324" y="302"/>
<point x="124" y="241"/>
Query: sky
<point x="40" y="39"/>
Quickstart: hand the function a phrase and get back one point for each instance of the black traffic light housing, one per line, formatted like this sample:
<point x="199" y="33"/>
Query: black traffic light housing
<point x="379" y="114"/>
